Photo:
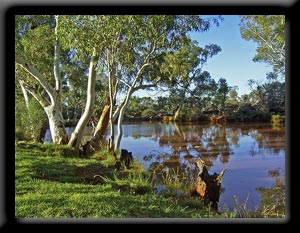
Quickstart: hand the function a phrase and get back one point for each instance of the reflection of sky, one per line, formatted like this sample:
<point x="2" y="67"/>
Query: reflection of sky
<point x="248" y="163"/>
<point x="245" y="174"/>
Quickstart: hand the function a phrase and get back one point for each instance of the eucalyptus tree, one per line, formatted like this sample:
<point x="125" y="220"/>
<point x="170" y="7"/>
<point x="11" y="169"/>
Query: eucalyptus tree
<point x="232" y="102"/>
<point x="268" y="31"/>
<point x="204" y="91"/>
<point x="149" y="42"/>
<point x="178" y="66"/>
<point x="258" y="95"/>
<point x="129" y="50"/>
<point x="220" y="96"/>
<point x="37" y="46"/>
<point x="186" y="69"/>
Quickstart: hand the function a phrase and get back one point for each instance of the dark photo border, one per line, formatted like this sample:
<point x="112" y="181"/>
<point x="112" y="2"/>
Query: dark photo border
<point x="234" y="7"/>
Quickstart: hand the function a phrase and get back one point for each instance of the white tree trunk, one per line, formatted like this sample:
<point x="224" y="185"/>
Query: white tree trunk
<point x="111" y="100"/>
<point x="24" y="94"/>
<point x="53" y="108"/>
<point x="56" y="123"/>
<point x="89" y="107"/>
<point x="177" y="112"/>
<point x="120" y="118"/>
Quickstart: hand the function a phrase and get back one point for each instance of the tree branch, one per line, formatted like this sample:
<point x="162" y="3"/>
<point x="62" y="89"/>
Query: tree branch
<point x="34" y="93"/>
<point x="141" y="87"/>
<point x="266" y="42"/>
<point x="122" y="81"/>
<point x="58" y="86"/>
<point x="37" y="75"/>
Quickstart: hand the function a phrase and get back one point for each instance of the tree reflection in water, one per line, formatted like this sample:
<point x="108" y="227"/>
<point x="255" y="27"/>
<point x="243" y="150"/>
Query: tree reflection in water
<point x="214" y="141"/>
<point x="249" y="150"/>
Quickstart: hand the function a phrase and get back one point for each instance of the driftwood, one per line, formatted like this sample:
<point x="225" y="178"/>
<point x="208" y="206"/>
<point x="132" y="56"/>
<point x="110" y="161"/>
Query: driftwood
<point x="217" y="119"/>
<point x="206" y="185"/>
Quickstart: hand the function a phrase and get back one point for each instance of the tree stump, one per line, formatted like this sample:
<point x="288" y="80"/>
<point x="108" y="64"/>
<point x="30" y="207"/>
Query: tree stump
<point x="126" y="157"/>
<point x="206" y="185"/>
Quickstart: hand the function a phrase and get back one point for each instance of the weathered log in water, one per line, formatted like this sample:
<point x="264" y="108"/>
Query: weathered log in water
<point x="206" y="185"/>
<point x="217" y="119"/>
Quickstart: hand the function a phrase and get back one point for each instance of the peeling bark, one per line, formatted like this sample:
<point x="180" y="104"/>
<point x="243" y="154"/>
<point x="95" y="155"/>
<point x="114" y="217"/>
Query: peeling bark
<point x="98" y="138"/>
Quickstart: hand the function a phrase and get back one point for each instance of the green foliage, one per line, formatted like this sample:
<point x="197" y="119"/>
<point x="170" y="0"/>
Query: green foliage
<point x="219" y="99"/>
<point x="269" y="32"/>
<point x="137" y="50"/>
<point x="277" y="118"/>
<point x="35" y="42"/>
<point x="29" y="121"/>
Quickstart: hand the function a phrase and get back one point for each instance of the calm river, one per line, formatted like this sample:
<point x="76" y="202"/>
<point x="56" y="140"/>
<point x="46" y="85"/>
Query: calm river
<point x="254" y="153"/>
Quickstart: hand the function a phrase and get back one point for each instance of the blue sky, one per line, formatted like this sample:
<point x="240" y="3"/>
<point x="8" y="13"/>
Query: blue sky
<point x="234" y="62"/>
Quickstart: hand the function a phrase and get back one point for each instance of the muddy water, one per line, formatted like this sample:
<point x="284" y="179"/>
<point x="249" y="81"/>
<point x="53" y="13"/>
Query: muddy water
<point x="253" y="153"/>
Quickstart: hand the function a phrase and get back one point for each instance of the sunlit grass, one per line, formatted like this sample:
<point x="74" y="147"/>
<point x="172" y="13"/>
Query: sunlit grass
<point x="52" y="186"/>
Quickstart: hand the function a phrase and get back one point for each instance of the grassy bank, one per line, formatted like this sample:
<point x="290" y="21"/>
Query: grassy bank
<point x="49" y="185"/>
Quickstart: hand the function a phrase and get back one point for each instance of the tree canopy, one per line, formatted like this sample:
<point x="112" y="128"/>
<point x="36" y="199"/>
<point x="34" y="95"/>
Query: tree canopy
<point x="60" y="58"/>
<point x="268" y="31"/>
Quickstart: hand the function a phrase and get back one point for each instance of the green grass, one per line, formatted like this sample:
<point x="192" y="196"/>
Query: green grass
<point x="53" y="185"/>
<point x="49" y="185"/>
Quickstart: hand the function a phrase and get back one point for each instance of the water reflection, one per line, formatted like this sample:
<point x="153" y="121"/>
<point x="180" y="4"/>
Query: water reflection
<point x="248" y="150"/>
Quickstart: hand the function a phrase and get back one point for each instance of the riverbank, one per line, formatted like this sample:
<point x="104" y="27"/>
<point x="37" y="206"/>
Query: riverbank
<point x="50" y="183"/>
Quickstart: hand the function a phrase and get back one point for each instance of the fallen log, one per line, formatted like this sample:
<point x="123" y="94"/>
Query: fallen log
<point x="217" y="119"/>
<point x="206" y="185"/>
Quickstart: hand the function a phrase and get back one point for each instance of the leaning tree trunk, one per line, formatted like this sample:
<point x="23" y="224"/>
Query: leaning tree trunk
<point x="206" y="185"/>
<point x="120" y="119"/>
<point x="98" y="138"/>
<point x="52" y="108"/>
<point x="89" y="107"/>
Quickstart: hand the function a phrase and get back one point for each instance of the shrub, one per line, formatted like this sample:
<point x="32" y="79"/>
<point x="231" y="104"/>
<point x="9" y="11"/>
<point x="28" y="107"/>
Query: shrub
<point x="29" y="121"/>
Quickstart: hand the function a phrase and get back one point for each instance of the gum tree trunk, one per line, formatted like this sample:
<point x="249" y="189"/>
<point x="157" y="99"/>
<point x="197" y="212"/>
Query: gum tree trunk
<point x="77" y="134"/>
<point x="56" y="124"/>
<point x="52" y="102"/>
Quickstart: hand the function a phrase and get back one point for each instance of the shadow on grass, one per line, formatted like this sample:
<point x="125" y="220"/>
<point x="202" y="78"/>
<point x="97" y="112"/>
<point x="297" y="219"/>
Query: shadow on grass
<point x="72" y="173"/>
